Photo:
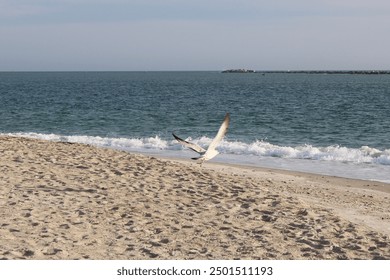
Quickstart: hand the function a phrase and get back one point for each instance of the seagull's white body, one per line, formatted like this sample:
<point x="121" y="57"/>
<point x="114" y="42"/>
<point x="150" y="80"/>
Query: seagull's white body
<point x="211" y="150"/>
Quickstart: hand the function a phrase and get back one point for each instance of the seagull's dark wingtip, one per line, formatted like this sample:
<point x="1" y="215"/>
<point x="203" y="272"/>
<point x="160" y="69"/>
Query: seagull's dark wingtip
<point x="176" y="137"/>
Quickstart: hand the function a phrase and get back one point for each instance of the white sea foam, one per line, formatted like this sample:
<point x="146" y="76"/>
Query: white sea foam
<point x="337" y="153"/>
<point x="364" y="154"/>
<point x="360" y="163"/>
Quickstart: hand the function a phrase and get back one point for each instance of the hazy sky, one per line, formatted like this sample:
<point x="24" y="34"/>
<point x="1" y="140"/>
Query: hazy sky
<point x="194" y="34"/>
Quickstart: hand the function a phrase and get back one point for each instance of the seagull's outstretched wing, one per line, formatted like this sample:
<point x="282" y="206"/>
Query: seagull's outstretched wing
<point x="221" y="132"/>
<point x="211" y="151"/>
<point x="189" y="145"/>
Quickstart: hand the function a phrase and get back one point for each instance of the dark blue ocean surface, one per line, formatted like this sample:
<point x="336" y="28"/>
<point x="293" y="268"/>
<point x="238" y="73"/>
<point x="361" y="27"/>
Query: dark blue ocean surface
<point x="285" y="109"/>
<point x="299" y="116"/>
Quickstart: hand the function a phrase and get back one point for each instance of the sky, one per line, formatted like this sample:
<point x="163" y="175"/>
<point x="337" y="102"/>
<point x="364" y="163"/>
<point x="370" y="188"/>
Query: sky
<point x="185" y="35"/>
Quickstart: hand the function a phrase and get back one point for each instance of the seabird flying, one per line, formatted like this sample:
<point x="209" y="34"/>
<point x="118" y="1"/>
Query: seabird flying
<point x="211" y="151"/>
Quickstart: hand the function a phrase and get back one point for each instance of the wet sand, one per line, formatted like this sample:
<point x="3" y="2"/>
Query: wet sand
<point x="73" y="201"/>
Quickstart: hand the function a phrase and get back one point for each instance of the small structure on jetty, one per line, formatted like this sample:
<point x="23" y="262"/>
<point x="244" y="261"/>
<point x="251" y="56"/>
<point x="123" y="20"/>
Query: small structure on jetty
<point x="239" y="71"/>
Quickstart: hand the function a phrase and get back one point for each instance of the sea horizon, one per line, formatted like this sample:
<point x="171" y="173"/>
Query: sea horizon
<point x="275" y="71"/>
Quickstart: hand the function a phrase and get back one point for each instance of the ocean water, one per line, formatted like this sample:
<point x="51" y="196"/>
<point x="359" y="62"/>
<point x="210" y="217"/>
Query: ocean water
<point x="336" y="124"/>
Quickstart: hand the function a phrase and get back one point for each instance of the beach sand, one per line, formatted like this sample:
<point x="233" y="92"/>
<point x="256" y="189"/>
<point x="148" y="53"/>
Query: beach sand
<point x="72" y="201"/>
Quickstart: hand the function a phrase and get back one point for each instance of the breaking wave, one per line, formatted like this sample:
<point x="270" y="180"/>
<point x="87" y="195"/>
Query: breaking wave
<point x="364" y="154"/>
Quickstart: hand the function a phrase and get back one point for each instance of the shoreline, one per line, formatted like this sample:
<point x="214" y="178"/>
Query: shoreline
<point x="359" y="183"/>
<point x="73" y="201"/>
<point x="155" y="146"/>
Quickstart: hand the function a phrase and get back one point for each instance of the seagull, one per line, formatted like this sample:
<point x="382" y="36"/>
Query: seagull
<point x="211" y="151"/>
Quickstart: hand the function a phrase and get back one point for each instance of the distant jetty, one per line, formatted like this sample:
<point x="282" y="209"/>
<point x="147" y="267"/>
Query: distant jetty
<point x="239" y="71"/>
<point x="350" y="72"/>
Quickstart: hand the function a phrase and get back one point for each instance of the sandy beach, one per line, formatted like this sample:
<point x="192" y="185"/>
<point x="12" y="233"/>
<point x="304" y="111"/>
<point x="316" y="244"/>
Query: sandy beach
<point x="71" y="201"/>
